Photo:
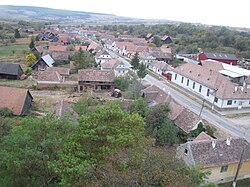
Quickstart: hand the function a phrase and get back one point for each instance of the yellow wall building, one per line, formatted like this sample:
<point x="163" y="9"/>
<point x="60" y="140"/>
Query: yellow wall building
<point x="220" y="157"/>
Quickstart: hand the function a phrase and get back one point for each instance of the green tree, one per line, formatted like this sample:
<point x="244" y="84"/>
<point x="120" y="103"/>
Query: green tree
<point x="139" y="106"/>
<point x="157" y="41"/>
<point x="142" y="71"/>
<point x="83" y="59"/>
<point x="17" y="34"/>
<point x="134" y="89"/>
<point x="160" y="127"/>
<point x="5" y="128"/>
<point x="121" y="83"/>
<point x="135" y="61"/>
<point x="167" y="134"/>
<point x="102" y="132"/>
<point x="145" y="165"/>
<point x="27" y="152"/>
<point x="30" y="59"/>
<point x="32" y="43"/>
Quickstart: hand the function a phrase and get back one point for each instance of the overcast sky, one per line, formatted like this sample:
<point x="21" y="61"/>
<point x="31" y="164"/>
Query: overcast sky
<point x="214" y="12"/>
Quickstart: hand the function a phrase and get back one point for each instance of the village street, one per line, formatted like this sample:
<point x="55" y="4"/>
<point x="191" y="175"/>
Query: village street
<point x="212" y="117"/>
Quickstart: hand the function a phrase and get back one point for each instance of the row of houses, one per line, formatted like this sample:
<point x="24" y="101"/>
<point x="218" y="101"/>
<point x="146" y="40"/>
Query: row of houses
<point x="221" y="157"/>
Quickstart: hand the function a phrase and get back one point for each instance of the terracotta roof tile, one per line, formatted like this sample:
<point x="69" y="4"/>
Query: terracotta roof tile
<point x="60" y="70"/>
<point x="96" y="75"/>
<point x="212" y="79"/>
<point x="187" y="120"/>
<point x="52" y="76"/>
<point x="111" y="64"/>
<point x="204" y="154"/>
<point x="203" y="137"/>
<point x="13" y="99"/>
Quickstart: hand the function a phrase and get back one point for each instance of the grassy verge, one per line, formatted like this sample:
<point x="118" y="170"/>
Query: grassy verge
<point x="12" y="50"/>
<point x="27" y="83"/>
<point x="240" y="183"/>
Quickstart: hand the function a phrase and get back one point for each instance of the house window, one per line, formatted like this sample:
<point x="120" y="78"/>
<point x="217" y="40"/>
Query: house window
<point x="188" y="84"/>
<point x="193" y="85"/>
<point x="182" y="79"/>
<point x="229" y="102"/>
<point x="216" y="99"/>
<point x="200" y="88"/>
<point x="224" y="168"/>
<point x="186" y="151"/>
<point x="208" y="91"/>
<point x="175" y="77"/>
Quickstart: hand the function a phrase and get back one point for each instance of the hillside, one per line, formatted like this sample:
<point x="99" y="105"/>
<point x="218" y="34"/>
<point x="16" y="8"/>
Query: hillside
<point x="29" y="13"/>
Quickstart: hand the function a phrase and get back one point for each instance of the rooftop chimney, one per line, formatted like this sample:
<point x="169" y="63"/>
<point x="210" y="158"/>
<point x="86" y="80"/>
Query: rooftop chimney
<point x="213" y="143"/>
<point x="228" y="141"/>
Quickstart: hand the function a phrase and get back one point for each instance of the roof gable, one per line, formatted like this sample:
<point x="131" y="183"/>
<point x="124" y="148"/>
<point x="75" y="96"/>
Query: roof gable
<point x="14" y="99"/>
<point x="10" y="69"/>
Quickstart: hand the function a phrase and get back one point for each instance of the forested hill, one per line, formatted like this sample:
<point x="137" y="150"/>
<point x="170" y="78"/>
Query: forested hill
<point x="30" y="13"/>
<point x="188" y="38"/>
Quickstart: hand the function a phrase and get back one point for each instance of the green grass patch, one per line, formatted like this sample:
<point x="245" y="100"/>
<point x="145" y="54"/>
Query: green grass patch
<point x="240" y="183"/>
<point x="12" y="50"/>
<point x="27" y="83"/>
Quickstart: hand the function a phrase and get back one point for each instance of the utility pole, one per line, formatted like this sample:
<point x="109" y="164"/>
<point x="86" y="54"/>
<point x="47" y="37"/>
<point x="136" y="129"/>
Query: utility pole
<point x="203" y="103"/>
<point x="239" y="166"/>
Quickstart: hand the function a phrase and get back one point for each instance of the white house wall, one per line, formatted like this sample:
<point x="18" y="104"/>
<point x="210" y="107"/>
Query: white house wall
<point x="237" y="103"/>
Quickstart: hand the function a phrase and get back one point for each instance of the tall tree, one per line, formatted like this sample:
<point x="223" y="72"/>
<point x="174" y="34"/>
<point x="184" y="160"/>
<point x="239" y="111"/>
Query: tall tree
<point x="139" y="106"/>
<point x="17" y="34"/>
<point x="160" y="127"/>
<point x="135" y="61"/>
<point x="142" y="71"/>
<point x="102" y="132"/>
<point x="32" y="43"/>
<point x="83" y="59"/>
<point x="27" y="153"/>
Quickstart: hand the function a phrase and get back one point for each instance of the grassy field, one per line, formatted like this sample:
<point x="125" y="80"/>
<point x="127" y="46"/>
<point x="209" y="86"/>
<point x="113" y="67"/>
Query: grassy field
<point x="27" y="83"/>
<point x="8" y="50"/>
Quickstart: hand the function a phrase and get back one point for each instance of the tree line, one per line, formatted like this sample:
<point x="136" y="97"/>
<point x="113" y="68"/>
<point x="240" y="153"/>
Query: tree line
<point x="188" y="38"/>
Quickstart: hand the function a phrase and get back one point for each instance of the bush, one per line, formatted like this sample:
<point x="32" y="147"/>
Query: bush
<point x="5" y="112"/>
<point x="27" y="70"/>
<point x="121" y="83"/>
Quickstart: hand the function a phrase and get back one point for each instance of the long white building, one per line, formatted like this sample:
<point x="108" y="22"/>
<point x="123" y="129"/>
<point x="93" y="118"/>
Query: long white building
<point x="211" y="85"/>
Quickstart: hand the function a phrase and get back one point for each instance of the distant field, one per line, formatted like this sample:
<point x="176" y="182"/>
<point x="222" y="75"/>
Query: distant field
<point x="8" y="50"/>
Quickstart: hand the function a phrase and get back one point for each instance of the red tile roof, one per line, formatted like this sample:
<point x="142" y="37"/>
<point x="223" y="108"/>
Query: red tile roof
<point x="57" y="48"/>
<point x="13" y="99"/>
<point x="202" y="137"/>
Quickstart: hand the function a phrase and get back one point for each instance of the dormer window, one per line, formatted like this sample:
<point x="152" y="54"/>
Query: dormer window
<point x="185" y="151"/>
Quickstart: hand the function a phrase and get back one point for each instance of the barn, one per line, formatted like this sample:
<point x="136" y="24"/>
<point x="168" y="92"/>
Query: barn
<point x="225" y="58"/>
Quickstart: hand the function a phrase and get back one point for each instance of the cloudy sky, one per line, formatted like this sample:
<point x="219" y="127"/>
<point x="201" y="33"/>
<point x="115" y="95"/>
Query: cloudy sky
<point x="214" y="12"/>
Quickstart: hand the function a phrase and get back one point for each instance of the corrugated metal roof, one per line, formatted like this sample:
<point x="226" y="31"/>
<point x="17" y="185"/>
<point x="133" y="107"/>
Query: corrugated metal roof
<point x="49" y="60"/>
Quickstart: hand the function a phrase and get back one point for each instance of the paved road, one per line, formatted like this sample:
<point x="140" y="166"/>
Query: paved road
<point x="114" y="55"/>
<point x="211" y="117"/>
